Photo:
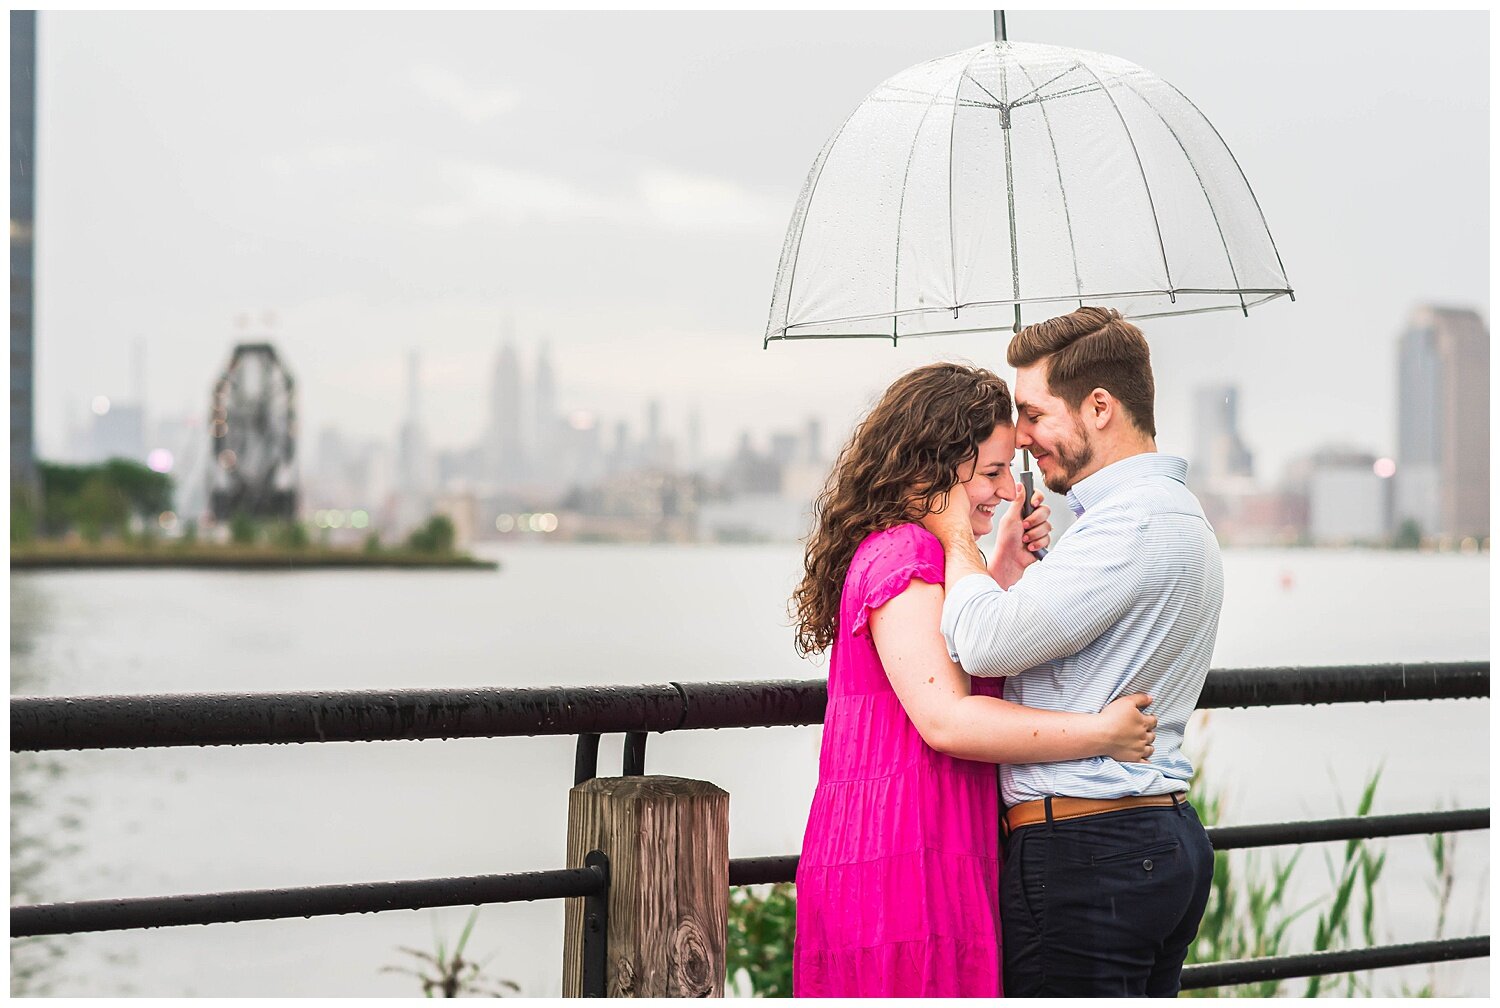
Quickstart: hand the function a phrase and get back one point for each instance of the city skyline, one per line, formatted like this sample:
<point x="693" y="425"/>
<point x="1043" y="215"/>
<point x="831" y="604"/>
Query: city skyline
<point x="638" y="235"/>
<point x="1217" y="447"/>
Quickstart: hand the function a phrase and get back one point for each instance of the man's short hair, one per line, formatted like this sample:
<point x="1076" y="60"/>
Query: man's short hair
<point x="1092" y="348"/>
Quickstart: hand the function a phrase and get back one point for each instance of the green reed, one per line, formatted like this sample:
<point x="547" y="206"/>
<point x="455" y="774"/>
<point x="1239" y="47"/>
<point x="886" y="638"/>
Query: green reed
<point x="446" y="973"/>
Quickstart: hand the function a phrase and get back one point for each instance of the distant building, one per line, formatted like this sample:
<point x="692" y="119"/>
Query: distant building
<point x="755" y="517"/>
<point x="1270" y="518"/>
<point x="504" y="444"/>
<point x="416" y="475"/>
<point x="1219" y="456"/>
<point x="814" y="443"/>
<point x="694" y="461"/>
<point x="653" y="433"/>
<point x="1347" y="501"/>
<point x="784" y="447"/>
<point x="1443" y="423"/>
<point x="579" y="448"/>
<point x="544" y="418"/>
<point x="751" y="472"/>
<point x="118" y="431"/>
<point x="1223" y="472"/>
<point x="622" y="452"/>
<point x="23" y="473"/>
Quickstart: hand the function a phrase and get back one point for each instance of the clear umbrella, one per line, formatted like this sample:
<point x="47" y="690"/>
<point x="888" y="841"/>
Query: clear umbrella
<point x="1018" y="179"/>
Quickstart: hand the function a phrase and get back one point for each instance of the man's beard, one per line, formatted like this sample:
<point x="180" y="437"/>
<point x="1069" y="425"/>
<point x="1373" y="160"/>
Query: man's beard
<point x="1068" y="460"/>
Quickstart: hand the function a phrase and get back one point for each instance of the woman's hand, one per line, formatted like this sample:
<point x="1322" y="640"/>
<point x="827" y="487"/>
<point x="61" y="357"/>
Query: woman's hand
<point x="1129" y="732"/>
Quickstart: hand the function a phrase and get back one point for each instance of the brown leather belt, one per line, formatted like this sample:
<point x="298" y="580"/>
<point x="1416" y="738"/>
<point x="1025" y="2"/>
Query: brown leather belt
<point x="1032" y="812"/>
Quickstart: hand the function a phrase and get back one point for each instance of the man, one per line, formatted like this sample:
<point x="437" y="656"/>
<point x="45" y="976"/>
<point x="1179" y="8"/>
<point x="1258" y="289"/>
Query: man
<point x="1107" y="868"/>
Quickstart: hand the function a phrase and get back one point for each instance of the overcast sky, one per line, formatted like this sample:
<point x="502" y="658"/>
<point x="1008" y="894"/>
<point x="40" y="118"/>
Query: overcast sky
<point x="620" y="184"/>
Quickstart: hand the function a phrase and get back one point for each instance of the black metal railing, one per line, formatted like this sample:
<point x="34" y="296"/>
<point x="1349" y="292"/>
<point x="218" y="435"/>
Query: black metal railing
<point x="370" y="897"/>
<point x="305" y="901"/>
<point x="202" y="719"/>
<point x="44" y="723"/>
<point x="1246" y="971"/>
<point x="759" y="871"/>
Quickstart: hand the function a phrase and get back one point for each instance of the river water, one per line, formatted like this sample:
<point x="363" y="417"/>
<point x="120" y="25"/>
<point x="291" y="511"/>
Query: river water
<point x="109" y="824"/>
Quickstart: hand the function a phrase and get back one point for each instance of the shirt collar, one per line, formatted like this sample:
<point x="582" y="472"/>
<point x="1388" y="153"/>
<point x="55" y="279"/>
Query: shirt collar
<point x="1093" y="490"/>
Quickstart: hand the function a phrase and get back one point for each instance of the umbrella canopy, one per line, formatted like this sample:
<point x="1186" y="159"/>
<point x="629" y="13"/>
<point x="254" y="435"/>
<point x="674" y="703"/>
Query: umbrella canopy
<point x="1018" y="177"/>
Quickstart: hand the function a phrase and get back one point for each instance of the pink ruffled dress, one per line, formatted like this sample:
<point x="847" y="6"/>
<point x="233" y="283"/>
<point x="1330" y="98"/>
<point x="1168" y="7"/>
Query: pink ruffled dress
<point x="898" y="885"/>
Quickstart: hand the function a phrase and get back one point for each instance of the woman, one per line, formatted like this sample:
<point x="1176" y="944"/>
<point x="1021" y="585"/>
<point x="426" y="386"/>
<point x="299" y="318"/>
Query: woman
<point x="898" y="884"/>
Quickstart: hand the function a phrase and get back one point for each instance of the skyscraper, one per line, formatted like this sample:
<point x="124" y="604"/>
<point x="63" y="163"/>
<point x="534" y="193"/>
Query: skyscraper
<point x="544" y="416"/>
<point x="694" y="461"/>
<point x="622" y="453"/>
<point x="1443" y="423"/>
<point x="412" y="470"/>
<point x="505" y="455"/>
<point x="814" y="431"/>
<point x="1218" y="453"/>
<point x="22" y="202"/>
<point x="653" y="449"/>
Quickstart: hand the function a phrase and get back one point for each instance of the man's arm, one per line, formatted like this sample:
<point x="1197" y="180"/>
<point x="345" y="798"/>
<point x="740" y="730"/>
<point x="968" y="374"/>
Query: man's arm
<point x="1056" y="609"/>
<point x="935" y="694"/>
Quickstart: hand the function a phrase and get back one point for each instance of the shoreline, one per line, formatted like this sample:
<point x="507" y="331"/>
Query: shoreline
<point x="229" y="559"/>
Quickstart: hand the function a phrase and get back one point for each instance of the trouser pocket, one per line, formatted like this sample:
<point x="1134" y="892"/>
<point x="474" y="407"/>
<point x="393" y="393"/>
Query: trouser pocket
<point x="1118" y="886"/>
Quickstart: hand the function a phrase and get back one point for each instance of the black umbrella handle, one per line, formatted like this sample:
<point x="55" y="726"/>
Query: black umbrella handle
<point x="1026" y="508"/>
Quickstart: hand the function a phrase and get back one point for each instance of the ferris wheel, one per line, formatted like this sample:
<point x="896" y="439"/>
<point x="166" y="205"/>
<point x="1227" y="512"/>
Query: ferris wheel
<point x="253" y="431"/>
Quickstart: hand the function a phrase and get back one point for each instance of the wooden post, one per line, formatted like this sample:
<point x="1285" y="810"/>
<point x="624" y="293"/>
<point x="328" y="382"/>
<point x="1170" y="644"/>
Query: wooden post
<point x="667" y="839"/>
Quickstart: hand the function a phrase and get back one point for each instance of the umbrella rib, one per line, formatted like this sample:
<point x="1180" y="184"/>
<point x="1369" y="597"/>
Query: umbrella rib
<point x="953" y="128"/>
<point x="1139" y="167"/>
<point x="918" y="99"/>
<point x="1062" y="189"/>
<point x="1213" y="211"/>
<point x="1035" y="87"/>
<point x="1010" y="199"/>
<point x="1095" y="295"/>
<point x="1266" y="227"/>
<point x="901" y="210"/>
<point x="1067" y="93"/>
<point x="1270" y="294"/>
<point x="901" y="89"/>
<point x="812" y="191"/>
<point x="999" y="102"/>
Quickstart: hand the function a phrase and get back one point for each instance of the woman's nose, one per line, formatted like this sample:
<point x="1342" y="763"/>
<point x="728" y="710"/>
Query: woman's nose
<point x="1007" y="487"/>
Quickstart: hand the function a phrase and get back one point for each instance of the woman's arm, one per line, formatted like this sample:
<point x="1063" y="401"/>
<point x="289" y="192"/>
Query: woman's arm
<point x="935" y="693"/>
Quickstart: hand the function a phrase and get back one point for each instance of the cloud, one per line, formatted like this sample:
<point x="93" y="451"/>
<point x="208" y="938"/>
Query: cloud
<point x="698" y="202"/>
<point x="331" y="156"/>
<point x="490" y="192"/>
<point x="327" y="157"/>
<point x="470" y="104"/>
<point x="659" y="197"/>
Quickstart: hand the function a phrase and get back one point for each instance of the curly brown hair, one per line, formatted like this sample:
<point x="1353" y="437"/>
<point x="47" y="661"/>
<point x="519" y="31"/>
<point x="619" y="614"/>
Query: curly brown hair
<point x="910" y="446"/>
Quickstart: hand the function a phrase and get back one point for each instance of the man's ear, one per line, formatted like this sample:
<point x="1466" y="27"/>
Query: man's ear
<point x="1100" y="407"/>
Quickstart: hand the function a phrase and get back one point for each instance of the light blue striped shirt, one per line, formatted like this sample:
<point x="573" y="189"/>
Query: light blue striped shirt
<point x="1126" y="602"/>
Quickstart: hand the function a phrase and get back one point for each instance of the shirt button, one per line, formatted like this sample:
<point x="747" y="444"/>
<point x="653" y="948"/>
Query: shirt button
<point x="1146" y="864"/>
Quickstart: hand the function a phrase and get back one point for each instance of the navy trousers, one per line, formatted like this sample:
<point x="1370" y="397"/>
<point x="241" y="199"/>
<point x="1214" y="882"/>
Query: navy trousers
<point x="1105" y="905"/>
